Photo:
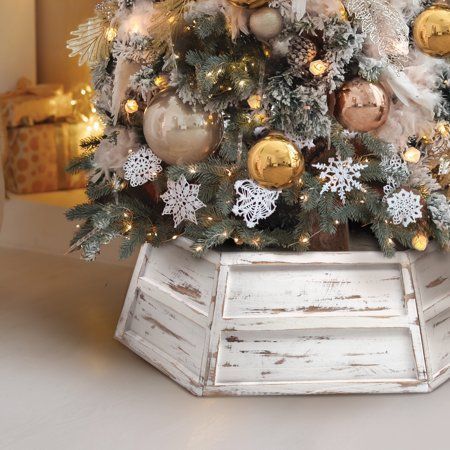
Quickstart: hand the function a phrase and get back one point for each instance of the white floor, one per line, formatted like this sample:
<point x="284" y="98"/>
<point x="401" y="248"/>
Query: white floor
<point x="66" y="384"/>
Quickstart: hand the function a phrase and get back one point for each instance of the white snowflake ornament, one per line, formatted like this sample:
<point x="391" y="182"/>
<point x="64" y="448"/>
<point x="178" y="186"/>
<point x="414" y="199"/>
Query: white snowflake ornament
<point x="181" y="199"/>
<point x="394" y="164"/>
<point x="253" y="202"/>
<point x="340" y="176"/>
<point x="404" y="207"/>
<point x="142" y="166"/>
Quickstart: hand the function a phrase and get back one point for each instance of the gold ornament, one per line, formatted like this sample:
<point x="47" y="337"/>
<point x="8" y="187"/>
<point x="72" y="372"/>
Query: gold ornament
<point x="318" y="67"/>
<point x="251" y="4"/>
<point x="178" y="133"/>
<point x="432" y="31"/>
<point x="131" y="106"/>
<point x="420" y="242"/>
<point x="254" y="101"/>
<point x="275" y="162"/>
<point x="412" y="155"/>
<point x="362" y="106"/>
<point x="266" y="23"/>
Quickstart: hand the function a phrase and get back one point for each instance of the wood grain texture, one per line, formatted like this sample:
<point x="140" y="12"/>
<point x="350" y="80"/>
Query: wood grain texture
<point x="263" y="323"/>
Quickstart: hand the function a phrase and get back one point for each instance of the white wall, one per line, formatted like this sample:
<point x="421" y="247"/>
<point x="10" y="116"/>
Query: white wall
<point x="55" y="20"/>
<point x="17" y="42"/>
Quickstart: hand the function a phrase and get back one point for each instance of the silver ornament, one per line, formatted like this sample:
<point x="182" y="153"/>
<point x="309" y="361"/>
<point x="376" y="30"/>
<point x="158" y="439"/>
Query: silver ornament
<point x="266" y="23"/>
<point x="178" y="133"/>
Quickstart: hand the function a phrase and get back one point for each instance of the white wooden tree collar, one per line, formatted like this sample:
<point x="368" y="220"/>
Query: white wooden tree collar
<point x="246" y="323"/>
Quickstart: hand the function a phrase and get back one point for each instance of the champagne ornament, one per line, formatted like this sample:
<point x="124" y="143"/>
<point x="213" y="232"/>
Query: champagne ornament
<point x="178" y="133"/>
<point x="266" y="23"/>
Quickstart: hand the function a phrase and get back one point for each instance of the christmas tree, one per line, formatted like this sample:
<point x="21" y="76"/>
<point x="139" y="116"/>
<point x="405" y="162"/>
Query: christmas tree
<point x="266" y="123"/>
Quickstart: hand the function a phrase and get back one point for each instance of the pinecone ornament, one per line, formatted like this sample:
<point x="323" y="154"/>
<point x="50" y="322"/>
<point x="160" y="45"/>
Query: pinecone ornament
<point x="302" y="52"/>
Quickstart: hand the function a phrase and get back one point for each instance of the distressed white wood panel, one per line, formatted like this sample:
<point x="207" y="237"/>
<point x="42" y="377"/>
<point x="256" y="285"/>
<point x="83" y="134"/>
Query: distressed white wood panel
<point x="189" y="281"/>
<point x="438" y="332"/>
<point x="314" y="355"/>
<point x="432" y="273"/>
<point x="175" y="336"/>
<point x="299" y="289"/>
<point x="273" y="323"/>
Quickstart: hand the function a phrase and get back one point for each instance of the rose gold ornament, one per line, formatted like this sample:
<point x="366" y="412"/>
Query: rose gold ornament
<point x="178" y="133"/>
<point x="362" y="106"/>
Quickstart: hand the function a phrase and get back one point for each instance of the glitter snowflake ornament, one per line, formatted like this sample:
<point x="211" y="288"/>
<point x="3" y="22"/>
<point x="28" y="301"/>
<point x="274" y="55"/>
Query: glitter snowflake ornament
<point x="253" y="202"/>
<point x="394" y="165"/>
<point x="404" y="207"/>
<point x="340" y="176"/>
<point x="396" y="171"/>
<point x="181" y="199"/>
<point x="142" y="166"/>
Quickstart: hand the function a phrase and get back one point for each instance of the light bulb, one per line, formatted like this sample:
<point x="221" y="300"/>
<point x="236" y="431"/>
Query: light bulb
<point x="412" y="155"/>
<point x="318" y="67"/>
<point x="131" y="106"/>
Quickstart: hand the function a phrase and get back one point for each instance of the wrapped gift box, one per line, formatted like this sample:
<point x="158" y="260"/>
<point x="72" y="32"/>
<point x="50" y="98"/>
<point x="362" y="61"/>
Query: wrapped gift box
<point x="30" y="104"/>
<point x="37" y="156"/>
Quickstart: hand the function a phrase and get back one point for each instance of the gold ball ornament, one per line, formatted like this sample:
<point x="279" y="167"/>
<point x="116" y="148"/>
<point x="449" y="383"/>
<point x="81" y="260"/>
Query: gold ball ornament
<point x="250" y="4"/>
<point x="432" y="31"/>
<point x="266" y="23"/>
<point x="420" y="242"/>
<point x="275" y="162"/>
<point x="178" y="133"/>
<point x="362" y="106"/>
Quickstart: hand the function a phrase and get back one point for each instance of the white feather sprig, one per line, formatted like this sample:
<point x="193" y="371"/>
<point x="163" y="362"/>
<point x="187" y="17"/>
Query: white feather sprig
<point x="298" y="8"/>
<point x="125" y="69"/>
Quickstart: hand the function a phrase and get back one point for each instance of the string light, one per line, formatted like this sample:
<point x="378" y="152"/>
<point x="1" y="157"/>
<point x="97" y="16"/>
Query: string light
<point x="318" y="67"/>
<point x="420" y="242"/>
<point x="161" y="81"/>
<point x="131" y="106"/>
<point x="304" y="239"/>
<point x="412" y="155"/>
<point x="254" y="101"/>
<point x="111" y="34"/>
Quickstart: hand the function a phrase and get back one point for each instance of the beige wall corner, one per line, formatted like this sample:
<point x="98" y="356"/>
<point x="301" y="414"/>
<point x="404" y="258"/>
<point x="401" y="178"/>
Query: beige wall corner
<point x="18" y="43"/>
<point x="55" y="20"/>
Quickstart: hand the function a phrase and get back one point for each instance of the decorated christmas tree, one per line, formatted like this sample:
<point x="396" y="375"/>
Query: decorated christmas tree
<point x="267" y="123"/>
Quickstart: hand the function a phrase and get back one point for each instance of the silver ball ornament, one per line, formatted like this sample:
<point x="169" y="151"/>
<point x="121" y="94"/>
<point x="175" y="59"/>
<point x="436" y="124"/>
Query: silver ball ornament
<point x="266" y="23"/>
<point x="178" y="133"/>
